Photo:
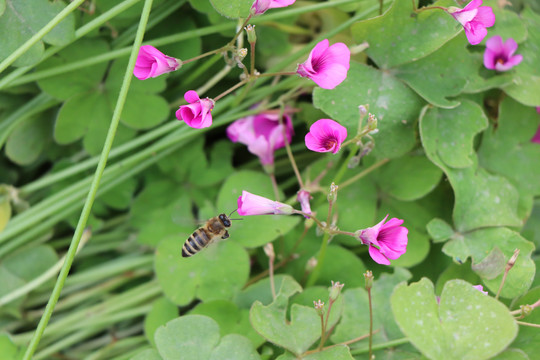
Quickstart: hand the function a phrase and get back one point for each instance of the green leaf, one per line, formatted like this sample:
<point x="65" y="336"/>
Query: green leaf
<point x="513" y="354"/>
<point x="230" y="318"/>
<point x="394" y="178"/>
<point x="461" y="271"/>
<point x="232" y="9"/>
<point x="27" y="141"/>
<point x="355" y="319"/>
<point x="120" y="197"/>
<point x="448" y="135"/>
<point x="508" y="24"/>
<point x="313" y="293"/>
<point x="253" y="231"/>
<point x="466" y="325"/>
<point x="339" y="352"/>
<point x="399" y="36"/>
<point x="9" y="350"/>
<point x="162" y="311"/>
<point x="260" y="291"/>
<point x="192" y="336"/>
<point x="508" y="150"/>
<point x="2" y="7"/>
<point x="343" y="266"/>
<point x="197" y="337"/>
<point x="217" y="272"/>
<point x="473" y="244"/>
<point x="296" y="335"/>
<point x="71" y="83"/>
<point x="395" y="105"/>
<point x="439" y="230"/>
<point x="23" y="19"/>
<point x="449" y="68"/>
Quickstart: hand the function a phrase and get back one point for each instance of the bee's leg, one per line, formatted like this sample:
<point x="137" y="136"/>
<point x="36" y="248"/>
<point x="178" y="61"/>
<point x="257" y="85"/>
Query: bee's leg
<point x="226" y="235"/>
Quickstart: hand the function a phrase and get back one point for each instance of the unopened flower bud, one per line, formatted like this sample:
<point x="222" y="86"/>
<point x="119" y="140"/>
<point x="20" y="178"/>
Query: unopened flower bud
<point x="251" y="34"/>
<point x="368" y="275"/>
<point x="332" y="194"/>
<point x="269" y="250"/>
<point x="513" y="259"/>
<point x="363" y="109"/>
<point x="335" y="290"/>
<point x="309" y="223"/>
<point x="526" y="310"/>
<point x="353" y="162"/>
<point x="310" y="265"/>
<point x="372" y="122"/>
<point x="319" y="306"/>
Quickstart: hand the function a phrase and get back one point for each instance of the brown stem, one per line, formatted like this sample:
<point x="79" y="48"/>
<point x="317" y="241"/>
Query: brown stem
<point x="363" y="173"/>
<point x="240" y="31"/>
<point x="274" y="185"/>
<point x="276" y="74"/>
<point x="528" y="324"/>
<point x="370" y="325"/>
<point x="241" y="83"/>
<point x="288" y="148"/>
<point x="224" y="48"/>
<point x="252" y="59"/>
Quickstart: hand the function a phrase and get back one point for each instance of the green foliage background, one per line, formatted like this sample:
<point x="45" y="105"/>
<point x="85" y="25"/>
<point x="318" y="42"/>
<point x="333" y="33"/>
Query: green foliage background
<point x="453" y="157"/>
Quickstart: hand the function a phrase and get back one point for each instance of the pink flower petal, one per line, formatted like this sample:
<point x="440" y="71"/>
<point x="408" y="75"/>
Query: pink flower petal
<point x="377" y="256"/>
<point x="191" y="96"/>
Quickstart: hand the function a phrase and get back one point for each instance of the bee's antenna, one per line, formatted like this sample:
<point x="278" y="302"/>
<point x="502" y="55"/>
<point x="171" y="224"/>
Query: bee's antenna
<point x="232" y="212"/>
<point x="235" y="219"/>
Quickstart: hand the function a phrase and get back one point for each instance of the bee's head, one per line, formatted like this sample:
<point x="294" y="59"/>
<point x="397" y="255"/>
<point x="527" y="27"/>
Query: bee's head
<point x="225" y="220"/>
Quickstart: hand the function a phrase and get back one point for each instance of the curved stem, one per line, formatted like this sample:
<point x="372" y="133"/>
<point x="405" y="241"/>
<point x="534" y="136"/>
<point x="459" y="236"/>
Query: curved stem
<point x="363" y="173"/>
<point x="381" y="346"/>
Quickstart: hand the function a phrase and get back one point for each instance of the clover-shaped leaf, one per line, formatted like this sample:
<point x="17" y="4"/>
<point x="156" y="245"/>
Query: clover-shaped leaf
<point x="465" y="325"/>
<point x="296" y="335"/>
<point x="196" y="337"/>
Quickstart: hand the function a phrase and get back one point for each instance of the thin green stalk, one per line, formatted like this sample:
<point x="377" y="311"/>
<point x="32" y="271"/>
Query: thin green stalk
<point x="39" y="35"/>
<point x="386" y="345"/>
<point x="363" y="173"/>
<point x="83" y="30"/>
<point x="113" y="346"/>
<point x="95" y="184"/>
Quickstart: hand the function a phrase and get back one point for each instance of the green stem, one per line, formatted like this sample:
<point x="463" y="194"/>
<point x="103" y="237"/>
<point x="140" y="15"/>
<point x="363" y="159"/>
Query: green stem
<point x="39" y="35"/>
<point x="363" y="173"/>
<point x="386" y="345"/>
<point x="95" y="183"/>
<point x="370" y="325"/>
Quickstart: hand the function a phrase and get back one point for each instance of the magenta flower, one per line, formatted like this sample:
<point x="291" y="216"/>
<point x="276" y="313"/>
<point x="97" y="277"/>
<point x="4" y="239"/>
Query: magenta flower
<point x="386" y="241"/>
<point x="260" y="6"/>
<point x="327" y="66"/>
<point x="303" y="198"/>
<point x="325" y="135"/>
<point x="475" y="19"/>
<point x="500" y="56"/>
<point x="151" y="63"/>
<point x="198" y="114"/>
<point x="536" y="137"/>
<point x="262" y="133"/>
<point x="250" y="204"/>
<point x="480" y="288"/>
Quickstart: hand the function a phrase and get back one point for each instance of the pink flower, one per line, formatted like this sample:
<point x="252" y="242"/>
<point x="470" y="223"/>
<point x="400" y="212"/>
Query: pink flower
<point x="327" y="66"/>
<point x="500" y="56"/>
<point x="260" y="6"/>
<point x="262" y="133"/>
<point x="151" y="63"/>
<point x="249" y="204"/>
<point x="198" y="114"/>
<point x="303" y="198"/>
<point x="325" y="135"/>
<point x="386" y="241"/>
<point x="480" y="288"/>
<point x="475" y="19"/>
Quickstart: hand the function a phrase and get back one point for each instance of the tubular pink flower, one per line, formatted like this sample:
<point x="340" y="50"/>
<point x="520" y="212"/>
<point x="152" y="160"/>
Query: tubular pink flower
<point x="325" y="135"/>
<point x="303" y="198"/>
<point x="500" y="56"/>
<point x="262" y="133"/>
<point x="386" y="240"/>
<point x="260" y="6"/>
<point x="198" y="114"/>
<point x="151" y="63"/>
<point x="250" y="204"/>
<point x="474" y="19"/>
<point x="326" y="66"/>
<point x="481" y="289"/>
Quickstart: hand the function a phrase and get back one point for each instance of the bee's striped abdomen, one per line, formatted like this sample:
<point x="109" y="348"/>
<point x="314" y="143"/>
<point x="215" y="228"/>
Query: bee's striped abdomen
<point x="195" y="243"/>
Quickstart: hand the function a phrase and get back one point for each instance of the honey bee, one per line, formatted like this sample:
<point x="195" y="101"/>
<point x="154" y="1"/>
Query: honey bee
<point x="214" y="228"/>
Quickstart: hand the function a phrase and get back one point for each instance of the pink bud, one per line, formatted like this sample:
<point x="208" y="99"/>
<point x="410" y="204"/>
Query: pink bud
<point x="151" y="63"/>
<point x="260" y="6"/>
<point x="250" y="204"/>
<point x="303" y="198"/>
<point x="198" y="114"/>
<point x="326" y="66"/>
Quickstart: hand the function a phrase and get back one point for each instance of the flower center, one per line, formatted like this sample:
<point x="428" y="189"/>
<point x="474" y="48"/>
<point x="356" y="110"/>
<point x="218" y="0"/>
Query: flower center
<point x="329" y="144"/>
